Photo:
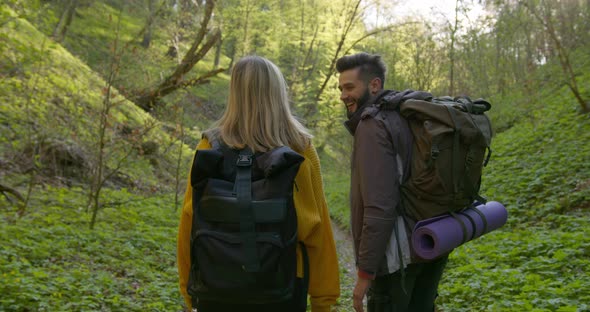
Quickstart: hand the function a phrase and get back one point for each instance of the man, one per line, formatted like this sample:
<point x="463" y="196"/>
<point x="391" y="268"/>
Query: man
<point x="380" y="164"/>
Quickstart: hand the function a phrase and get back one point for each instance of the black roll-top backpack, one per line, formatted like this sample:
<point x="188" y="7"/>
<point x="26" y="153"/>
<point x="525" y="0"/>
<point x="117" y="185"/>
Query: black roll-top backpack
<point x="244" y="231"/>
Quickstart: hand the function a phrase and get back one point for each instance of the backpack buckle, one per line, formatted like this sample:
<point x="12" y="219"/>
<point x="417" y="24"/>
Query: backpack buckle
<point x="244" y="161"/>
<point x="469" y="158"/>
<point x="434" y="152"/>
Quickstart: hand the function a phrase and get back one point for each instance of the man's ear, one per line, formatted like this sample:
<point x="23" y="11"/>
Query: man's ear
<point x="375" y="85"/>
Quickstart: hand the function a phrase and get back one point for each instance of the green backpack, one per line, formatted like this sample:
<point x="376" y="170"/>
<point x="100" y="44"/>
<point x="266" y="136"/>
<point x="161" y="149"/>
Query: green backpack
<point x="451" y="146"/>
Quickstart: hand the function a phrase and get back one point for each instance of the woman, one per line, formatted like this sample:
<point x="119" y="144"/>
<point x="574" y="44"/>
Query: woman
<point x="258" y="116"/>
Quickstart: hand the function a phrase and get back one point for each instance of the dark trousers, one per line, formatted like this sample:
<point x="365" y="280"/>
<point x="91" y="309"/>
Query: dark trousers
<point x="224" y="307"/>
<point x="421" y="284"/>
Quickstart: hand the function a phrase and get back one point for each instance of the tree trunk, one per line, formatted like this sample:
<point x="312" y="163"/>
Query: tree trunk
<point x="232" y="55"/>
<point x="245" y="40"/>
<point x="61" y="29"/>
<point x="453" y="30"/>
<point x="562" y="54"/>
<point x="218" y="48"/>
<point x="180" y="127"/>
<point x="147" y="36"/>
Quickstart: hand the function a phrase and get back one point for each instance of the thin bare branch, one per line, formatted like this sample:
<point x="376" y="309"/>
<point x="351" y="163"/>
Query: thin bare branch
<point x="343" y="37"/>
<point x="203" y="79"/>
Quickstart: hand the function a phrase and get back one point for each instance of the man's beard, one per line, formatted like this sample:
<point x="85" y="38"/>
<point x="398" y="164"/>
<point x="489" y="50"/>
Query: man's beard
<point x="362" y="101"/>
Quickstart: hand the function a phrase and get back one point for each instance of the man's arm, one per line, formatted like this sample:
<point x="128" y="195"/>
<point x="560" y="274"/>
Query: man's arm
<point x="379" y="187"/>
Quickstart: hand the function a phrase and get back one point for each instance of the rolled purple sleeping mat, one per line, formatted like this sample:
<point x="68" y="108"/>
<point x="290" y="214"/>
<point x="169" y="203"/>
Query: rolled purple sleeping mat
<point x="437" y="236"/>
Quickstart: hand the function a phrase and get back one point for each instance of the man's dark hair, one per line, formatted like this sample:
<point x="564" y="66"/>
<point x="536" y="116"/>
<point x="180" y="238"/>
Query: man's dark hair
<point x="371" y="66"/>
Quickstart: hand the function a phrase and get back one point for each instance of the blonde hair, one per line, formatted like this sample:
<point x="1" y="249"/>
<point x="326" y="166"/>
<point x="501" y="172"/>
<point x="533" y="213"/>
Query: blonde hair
<point x="257" y="113"/>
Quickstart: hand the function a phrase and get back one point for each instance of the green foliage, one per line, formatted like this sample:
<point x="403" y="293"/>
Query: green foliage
<point x="336" y="176"/>
<point x="50" y="261"/>
<point x="94" y="30"/>
<point x="57" y="99"/>
<point x="522" y="268"/>
<point x="549" y="152"/>
<point x="539" y="170"/>
<point x="37" y="11"/>
<point x="102" y="30"/>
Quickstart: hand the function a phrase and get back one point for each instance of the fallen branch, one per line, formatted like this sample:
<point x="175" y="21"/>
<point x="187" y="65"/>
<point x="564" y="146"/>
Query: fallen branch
<point x="6" y="189"/>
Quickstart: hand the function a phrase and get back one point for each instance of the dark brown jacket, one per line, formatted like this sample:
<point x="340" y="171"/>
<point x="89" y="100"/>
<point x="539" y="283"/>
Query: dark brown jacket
<point x="380" y="163"/>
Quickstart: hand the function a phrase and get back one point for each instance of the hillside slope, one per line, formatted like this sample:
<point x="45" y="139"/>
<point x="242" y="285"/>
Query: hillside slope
<point x="51" y="118"/>
<point x="540" y="260"/>
<point x="49" y="129"/>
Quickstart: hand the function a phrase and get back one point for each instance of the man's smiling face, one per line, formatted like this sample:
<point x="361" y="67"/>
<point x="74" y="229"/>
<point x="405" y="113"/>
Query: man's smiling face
<point x="354" y="92"/>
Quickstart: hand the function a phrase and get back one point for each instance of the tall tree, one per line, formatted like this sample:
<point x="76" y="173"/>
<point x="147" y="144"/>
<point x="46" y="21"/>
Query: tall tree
<point x="101" y="168"/>
<point x="545" y="12"/>
<point x="453" y="29"/>
<point x="147" y="35"/>
<point x="424" y="59"/>
<point x="352" y="17"/>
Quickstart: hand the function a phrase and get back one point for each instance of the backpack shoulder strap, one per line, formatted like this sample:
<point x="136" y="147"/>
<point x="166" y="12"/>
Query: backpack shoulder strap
<point x="212" y="135"/>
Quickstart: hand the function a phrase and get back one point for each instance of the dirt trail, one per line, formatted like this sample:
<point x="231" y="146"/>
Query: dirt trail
<point x="345" y="252"/>
<point x="346" y="262"/>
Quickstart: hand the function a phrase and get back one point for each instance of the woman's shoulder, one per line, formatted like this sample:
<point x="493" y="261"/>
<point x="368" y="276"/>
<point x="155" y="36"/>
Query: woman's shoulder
<point x="204" y="144"/>
<point x="312" y="160"/>
<point x="211" y="134"/>
<point x="307" y="151"/>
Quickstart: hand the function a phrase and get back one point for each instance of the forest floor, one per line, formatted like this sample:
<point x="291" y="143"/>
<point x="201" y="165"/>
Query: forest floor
<point x="345" y="252"/>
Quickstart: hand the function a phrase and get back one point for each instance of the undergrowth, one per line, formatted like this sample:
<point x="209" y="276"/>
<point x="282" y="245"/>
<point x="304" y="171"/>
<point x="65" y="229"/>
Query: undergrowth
<point x="51" y="261"/>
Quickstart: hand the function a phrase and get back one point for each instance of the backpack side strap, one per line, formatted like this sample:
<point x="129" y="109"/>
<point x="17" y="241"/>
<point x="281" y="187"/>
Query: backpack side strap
<point x="305" y="269"/>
